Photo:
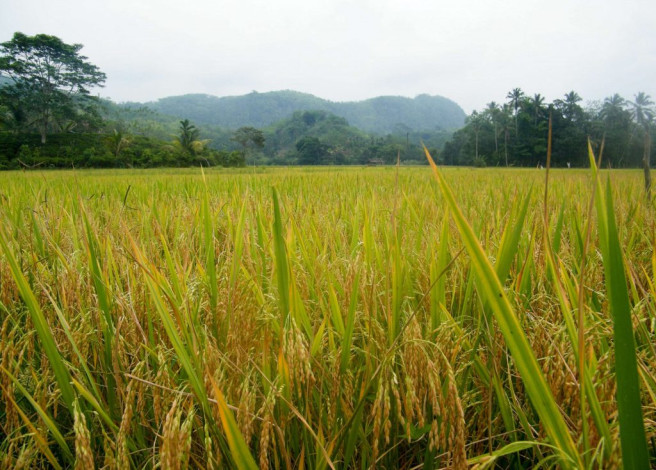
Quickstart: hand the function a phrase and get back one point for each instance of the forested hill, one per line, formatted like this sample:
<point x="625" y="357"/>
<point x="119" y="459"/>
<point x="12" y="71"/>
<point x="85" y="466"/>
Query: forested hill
<point x="381" y="115"/>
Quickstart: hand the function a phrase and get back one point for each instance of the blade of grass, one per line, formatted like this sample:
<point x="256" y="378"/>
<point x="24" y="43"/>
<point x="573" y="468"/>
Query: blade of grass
<point x="45" y="417"/>
<point x="238" y="448"/>
<point x="525" y="360"/>
<point x="632" y="431"/>
<point x="62" y="374"/>
<point x="510" y="241"/>
<point x="40" y="440"/>
<point x="282" y="268"/>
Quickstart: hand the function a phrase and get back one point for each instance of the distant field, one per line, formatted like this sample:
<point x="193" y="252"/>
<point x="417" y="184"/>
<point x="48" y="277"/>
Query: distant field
<point x="323" y="318"/>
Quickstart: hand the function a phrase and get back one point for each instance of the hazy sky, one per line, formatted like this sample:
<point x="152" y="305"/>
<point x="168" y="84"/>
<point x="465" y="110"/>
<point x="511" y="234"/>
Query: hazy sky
<point x="471" y="51"/>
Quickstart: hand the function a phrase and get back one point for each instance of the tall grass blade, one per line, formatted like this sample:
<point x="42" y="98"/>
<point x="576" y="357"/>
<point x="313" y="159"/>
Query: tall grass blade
<point x="62" y="375"/>
<point x="510" y="241"/>
<point x="45" y="417"/>
<point x="492" y="291"/>
<point x="210" y="257"/>
<point x="282" y="268"/>
<point x="238" y="448"/>
<point x="632" y="431"/>
<point x="347" y="339"/>
<point x="39" y="439"/>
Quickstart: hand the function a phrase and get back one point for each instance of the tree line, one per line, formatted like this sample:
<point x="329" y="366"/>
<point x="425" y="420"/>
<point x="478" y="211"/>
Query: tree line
<point x="514" y="133"/>
<point x="48" y="116"/>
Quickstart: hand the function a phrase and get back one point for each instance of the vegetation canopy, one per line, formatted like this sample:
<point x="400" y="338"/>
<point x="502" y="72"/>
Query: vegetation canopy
<point x="514" y="133"/>
<point x="51" y="82"/>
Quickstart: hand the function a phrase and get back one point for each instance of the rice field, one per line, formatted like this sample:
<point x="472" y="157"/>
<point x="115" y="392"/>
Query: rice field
<point x="285" y="318"/>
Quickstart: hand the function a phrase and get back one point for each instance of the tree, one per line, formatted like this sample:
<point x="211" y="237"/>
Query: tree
<point x="492" y="111"/>
<point x="613" y="109"/>
<point x="6" y="116"/>
<point x="476" y="122"/>
<point x="50" y="79"/>
<point x="248" y="137"/>
<point x="616" y="121"/>
<point x="187" y="141"/>
<point x="117" y="142"/>
<point x="569" y="107"/>
<point x="536" y="106"/>
<point x="311" y="151"/>
<point x="515" y="96"/>
<point x="643" y="112"/>
<point x="505" y="126"/>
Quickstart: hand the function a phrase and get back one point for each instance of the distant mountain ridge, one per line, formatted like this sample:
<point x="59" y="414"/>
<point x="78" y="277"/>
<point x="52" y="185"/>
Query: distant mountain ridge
<point x="382" y="115"/>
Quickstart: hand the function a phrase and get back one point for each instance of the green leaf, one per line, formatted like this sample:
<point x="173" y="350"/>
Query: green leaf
<point x="238" y="448"/>
<point x="632" y="431"/>
<point x="282" y="268"/>
<point x="47" y="419"/>
<point x="493" y="293"/>
<point x="40" y="322"/>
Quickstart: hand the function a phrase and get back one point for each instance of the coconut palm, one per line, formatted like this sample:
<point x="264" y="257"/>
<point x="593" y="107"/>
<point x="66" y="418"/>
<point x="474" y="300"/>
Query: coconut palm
<point x="476" y="121"/>
<point x="536" y="105"/>
<point x="187" y="141"/>
<point x="505" y="126"/>
<point x="643" y="113"/>
<point x="616" y="119"/>
<point x="569" y="107"/>
<point x="492" y="112"/>
<point x="116" y="142"/>
<point x="515" y="96"/>
<point x="612" y="109"/>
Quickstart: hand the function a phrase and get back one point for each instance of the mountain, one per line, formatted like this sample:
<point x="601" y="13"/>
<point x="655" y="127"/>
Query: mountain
<point x="398" y="115"/>
<point x="338" y="138"/>
<point x="381" y="115"/>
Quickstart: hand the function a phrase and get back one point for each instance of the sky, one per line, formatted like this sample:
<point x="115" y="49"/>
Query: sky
<point x="470" y="51"/>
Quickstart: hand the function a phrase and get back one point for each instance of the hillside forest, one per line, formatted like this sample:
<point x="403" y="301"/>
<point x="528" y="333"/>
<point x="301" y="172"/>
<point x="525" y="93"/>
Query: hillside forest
<point x="49" y="118"/>
<point x="514" y="133"/>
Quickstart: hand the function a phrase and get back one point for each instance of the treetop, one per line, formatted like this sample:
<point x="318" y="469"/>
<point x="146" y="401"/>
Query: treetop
<point x="44" y="59"/>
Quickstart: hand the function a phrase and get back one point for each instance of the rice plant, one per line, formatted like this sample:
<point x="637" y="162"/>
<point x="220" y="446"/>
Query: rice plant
<point x="408" y="317"/>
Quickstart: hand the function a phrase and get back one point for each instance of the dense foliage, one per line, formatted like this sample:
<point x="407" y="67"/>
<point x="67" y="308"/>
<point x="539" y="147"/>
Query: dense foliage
<point x="515" y="133"/>
<point x="112" y="150"/>
<point x="277" y="144"/>
<point x="49" y="86"/>
<point x="320" y="138"/>
<point x="45" y="92"/>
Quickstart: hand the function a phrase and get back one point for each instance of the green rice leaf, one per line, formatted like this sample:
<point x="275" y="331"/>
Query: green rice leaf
<point x="493" y="293"/>
<point x="632" y="429"/>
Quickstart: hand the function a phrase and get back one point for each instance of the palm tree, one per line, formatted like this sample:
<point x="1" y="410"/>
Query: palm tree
<point x="536" y="104"/>
<point x="505" y="126"/>
<point x="187" y="141"/>
<point x="643" y="113"/>
<point x="116" y="142"/>
<point x="515" y="96"/>
<point x="569" y="106"/>
<point x="476" y="121"/>
<point x="612" y="109"/>
<point x="617" y="123"/>
<point x="492" y="111"/>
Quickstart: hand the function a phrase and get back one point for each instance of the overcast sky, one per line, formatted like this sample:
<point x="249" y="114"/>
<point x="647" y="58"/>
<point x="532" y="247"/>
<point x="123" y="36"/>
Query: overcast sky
<point x="471" y="51"/>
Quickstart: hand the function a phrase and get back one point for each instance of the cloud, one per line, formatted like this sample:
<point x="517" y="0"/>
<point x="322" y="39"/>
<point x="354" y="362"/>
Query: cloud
<point x="470" y="51"/>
